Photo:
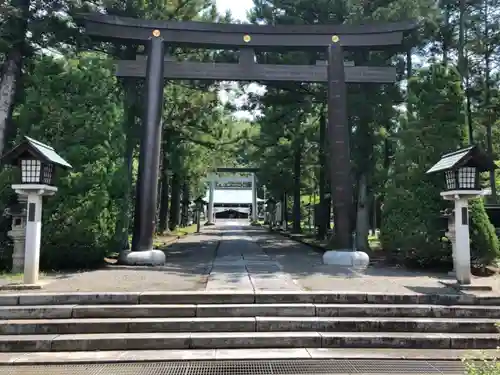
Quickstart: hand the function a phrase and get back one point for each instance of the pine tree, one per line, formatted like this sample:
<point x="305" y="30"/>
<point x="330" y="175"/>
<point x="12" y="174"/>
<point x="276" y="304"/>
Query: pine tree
<point x="413" y="227"/>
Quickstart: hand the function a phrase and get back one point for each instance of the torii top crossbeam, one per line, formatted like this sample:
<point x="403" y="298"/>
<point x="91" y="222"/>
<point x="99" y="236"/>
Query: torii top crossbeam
<point x="237" y="169"/>
<point x="217" y="35"/>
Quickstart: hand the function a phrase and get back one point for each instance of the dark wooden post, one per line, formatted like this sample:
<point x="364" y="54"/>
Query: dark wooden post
<point x="149" y="156"/>
<point x="339" y="134"/>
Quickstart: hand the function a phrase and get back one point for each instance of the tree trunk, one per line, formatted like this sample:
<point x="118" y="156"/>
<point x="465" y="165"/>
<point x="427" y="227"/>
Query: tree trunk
<point x="363" y="214"/>
<point x="185" y="203"/>
<point x="330" y="213"/>
<point x="296" y="189"/>
<point x="164" y="198"/>
<point x="409" y="72"/>
<point x="11" y="71"/>
<point x="285" y="208"/>
<point x="468" y="110"/>
<point x="175" y="202"/>
<point x="446" y="33"/>
<point x="323" y="200"/>
<point x="463" y="68"/>
<point x="130" y="108"/>
<point x="487" y="100"/>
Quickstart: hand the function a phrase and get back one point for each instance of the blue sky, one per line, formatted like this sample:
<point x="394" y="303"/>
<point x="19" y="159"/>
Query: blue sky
<point x="238" y="8"/>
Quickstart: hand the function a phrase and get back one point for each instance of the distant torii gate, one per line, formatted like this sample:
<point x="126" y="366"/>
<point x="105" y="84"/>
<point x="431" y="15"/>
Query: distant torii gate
<point x="212" y="184"/>
<point x="248" y="39"/>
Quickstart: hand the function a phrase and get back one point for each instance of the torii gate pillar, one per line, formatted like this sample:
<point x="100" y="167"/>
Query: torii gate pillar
<point x="254" y="199"/>
<point x="210" y="210"/>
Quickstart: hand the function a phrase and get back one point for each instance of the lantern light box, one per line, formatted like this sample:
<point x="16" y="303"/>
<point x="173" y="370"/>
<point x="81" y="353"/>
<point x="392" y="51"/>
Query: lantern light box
<point x="462" y="167"/>
<point x="36" y="160"/>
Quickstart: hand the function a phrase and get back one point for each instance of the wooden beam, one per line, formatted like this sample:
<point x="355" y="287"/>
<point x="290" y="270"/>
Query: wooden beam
<point x="217" y="35"/>
<point x="177" y="70"/>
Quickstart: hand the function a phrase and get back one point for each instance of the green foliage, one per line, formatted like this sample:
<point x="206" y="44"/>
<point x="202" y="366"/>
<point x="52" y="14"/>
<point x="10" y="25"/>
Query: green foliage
<point x="412" y="227"/>
<point x="73" y="105"/>
<point x="484" y="242"/>
<point x="483" y="367"/>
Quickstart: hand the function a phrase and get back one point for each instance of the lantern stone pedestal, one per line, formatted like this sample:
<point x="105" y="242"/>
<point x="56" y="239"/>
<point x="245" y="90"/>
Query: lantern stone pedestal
<point x="34" y="194"/>
<point x="459" y="236"/>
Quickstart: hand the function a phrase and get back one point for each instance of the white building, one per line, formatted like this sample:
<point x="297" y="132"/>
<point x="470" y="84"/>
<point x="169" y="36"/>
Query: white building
<point x="232" y="203"/>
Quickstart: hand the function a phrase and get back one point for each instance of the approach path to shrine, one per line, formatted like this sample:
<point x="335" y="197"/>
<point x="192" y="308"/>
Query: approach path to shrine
<point x="232" y="255"/>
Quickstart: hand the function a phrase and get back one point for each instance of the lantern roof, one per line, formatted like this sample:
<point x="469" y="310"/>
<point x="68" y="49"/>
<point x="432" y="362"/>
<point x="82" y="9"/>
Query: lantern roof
<point x="200" y="200"/>
<point x="36" y="149"/>
<point x="470" y="156"/>
<point x="16" y="209"/>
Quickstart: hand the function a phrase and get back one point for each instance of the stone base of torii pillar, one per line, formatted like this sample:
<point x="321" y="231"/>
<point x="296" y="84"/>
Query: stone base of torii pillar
<point x="358" y="260"/>
<point x="151" y="257"/>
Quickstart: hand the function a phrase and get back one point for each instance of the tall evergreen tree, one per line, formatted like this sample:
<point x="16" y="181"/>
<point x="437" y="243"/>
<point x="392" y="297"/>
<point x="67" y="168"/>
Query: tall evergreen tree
<point x="412" y="228"/>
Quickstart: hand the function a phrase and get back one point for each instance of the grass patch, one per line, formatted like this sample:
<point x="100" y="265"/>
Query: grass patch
<point x="11" y="276"/>
<point x="374" y="243"/>
<point x="184" y="231"/>
<point x="309" y="237"/>
<point x="162" y="240"/>
<point x="17" y="276"/>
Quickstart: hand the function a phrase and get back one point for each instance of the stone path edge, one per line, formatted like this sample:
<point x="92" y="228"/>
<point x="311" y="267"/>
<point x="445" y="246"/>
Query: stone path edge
<point x="103" y="357"/>
<point x="241" y="297"/>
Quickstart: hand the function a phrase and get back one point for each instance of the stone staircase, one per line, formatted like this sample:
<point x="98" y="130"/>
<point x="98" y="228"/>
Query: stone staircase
<point x="76" y="322"/>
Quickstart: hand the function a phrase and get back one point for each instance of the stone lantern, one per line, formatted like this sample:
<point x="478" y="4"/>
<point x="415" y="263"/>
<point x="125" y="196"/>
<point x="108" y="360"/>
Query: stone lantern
<point x="37" y="163"/>
<point x="270" y="212"/>
<point x="461" y="170"/>
<point x="17" y="234"/>
<point x="199" y="203"/>
<point x="185" y="212"/>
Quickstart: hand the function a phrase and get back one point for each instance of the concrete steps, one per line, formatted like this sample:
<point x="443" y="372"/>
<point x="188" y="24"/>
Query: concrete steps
<point x="247" y="310"/>
<point x="77" y="322"/>
<point x="233" y="340"/>
<point x="242" y="297"/>
<point x="254" y="324"/>
<point x="269" y="354"/>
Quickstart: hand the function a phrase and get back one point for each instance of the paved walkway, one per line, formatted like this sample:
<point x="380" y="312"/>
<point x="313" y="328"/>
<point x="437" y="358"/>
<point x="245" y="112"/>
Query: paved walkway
<point x="235" y="256"/>
<point x="241" y="264"/>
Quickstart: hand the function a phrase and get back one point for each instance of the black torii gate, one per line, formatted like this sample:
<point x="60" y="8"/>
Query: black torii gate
<point x="248" y="39"/>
